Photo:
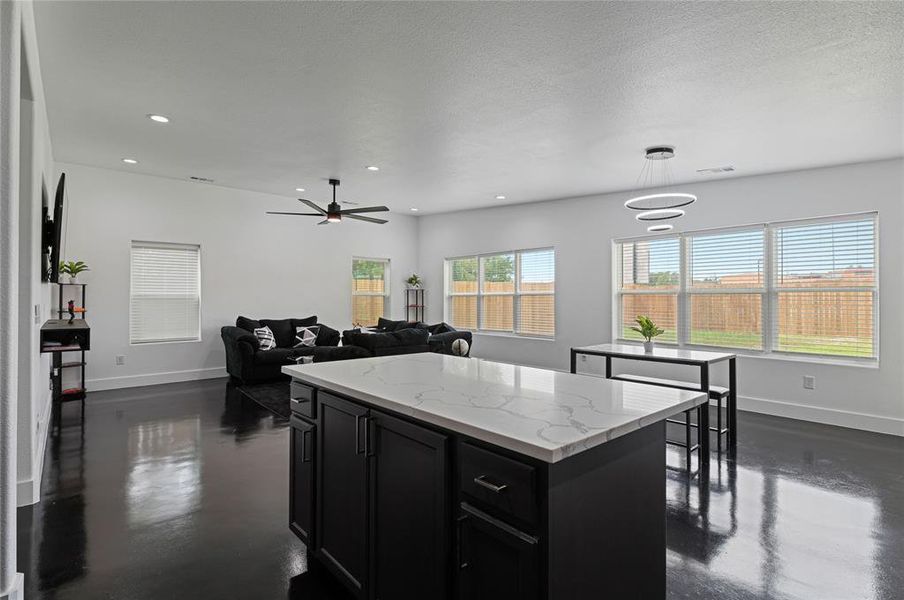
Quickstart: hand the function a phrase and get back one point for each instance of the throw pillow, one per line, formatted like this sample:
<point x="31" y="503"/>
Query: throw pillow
<point x="265" y="338"/>
<point x="306" y="337"/>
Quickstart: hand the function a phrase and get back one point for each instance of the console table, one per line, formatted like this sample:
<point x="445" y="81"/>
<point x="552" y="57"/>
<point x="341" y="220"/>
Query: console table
<point x="677" y="356"/>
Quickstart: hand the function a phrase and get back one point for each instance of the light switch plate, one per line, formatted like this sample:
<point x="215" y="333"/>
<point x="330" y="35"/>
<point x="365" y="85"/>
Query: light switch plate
<point x="809" y="382"/>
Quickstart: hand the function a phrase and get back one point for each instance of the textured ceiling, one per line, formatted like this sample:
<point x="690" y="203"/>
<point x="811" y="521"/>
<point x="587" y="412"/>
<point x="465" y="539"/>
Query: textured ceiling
<point x="459" y="102"/>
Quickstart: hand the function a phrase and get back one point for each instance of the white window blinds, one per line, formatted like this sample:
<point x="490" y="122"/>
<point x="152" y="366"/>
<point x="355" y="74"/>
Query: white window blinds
<point x="508" y="292"/>
<point x="808" y="287"/>
<point x="165" y="297"/>
<point x="826" y="288"/>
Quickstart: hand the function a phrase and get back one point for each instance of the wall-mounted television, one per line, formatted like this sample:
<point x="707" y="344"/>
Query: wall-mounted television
<point x="52" y="234"/>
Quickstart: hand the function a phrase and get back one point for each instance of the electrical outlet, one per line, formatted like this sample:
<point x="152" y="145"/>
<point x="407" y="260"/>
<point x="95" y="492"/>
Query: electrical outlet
<point x="583" y="358"/>
<point x="37" y="314"/>
<point x="809" y="382"/>
<point x="119" y="360"/>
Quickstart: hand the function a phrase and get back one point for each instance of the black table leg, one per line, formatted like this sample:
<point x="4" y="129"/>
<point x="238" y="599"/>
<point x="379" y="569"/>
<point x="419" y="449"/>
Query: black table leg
<point x="703" y="420"/>
<point x="732" y="405"/>
<point x="574" y="361"/>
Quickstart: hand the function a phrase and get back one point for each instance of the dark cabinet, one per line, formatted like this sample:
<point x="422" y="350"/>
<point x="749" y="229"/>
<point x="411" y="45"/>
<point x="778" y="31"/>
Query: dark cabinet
<point x="496" y="561"/>
<point x="342" y="499"/>
<point x="383" y="503"/>
<point x="410" y="510"/>
<point x="301" y="479"/>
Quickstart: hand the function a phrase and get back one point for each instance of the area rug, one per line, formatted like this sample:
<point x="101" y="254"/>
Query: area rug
<point x="274" y="396"/>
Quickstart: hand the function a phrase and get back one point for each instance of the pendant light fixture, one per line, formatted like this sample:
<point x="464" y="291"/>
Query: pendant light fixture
<point x="656" y="173"/>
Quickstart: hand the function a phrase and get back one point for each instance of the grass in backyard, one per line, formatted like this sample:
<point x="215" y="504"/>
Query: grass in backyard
<point x="805" y="344"/>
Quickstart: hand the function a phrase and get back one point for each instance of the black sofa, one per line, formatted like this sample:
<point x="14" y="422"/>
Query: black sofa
<point x="404" y="337"/>
<point x="246" y="362"/>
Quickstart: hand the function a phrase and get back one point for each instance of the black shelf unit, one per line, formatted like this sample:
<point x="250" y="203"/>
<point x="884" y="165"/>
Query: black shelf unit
<point x="415" y="305"/>
<point x="74" y="337"/>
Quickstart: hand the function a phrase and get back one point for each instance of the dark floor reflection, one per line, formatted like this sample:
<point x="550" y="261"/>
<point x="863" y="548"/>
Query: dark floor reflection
<point x="181" y="491"/>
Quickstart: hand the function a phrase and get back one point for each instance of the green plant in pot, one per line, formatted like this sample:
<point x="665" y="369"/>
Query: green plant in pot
<point x="72" y="268"/>
<point x="648" y="329"/>
<point x="414" y="281"/>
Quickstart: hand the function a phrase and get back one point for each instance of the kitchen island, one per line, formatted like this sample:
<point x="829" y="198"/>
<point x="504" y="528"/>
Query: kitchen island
<point x="434" y="476"/>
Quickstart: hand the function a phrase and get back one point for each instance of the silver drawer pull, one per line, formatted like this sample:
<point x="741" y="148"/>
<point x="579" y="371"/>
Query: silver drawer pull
<point x="482" y="482"/>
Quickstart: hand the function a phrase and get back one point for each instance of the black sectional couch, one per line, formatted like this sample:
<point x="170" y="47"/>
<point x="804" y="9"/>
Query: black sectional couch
<point x="246" y="362"/>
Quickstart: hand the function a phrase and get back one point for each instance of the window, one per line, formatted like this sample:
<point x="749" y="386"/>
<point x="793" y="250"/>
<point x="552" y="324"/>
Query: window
<point x="370" y="290"/>
<point x="804" y="287"/>
<point x="165" y="296"/>
<point x="508" y="292"/>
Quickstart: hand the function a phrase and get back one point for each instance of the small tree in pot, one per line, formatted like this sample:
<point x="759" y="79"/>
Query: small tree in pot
<point x="73" y="268"/>
<point x="648" y="330"/>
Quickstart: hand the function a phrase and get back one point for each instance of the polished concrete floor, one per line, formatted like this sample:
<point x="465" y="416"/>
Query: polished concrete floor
<point x="180" y="491"/>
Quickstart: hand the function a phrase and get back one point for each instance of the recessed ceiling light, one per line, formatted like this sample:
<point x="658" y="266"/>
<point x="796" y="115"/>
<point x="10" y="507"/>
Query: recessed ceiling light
<point x="130" y="161"/>
<point x="413" y="209"/>
<point x="500" y="197"/>
<point x="656" y="228"/>
<point x="372" y="168"/>
<point x="158" y="118"/>
<point x="299" y="189"/>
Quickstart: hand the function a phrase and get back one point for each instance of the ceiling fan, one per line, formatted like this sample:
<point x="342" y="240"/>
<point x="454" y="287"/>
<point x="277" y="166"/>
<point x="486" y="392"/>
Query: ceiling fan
<point x="334" y="212"/>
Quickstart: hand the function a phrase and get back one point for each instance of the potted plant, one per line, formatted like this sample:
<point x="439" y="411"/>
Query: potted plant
<point x="73" y="268"/>
<point x="648" y="330"/>
<point x="414" y="281"/>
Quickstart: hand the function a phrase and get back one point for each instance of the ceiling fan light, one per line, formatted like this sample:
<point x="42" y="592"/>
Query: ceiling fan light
<point x="333" y="218"/>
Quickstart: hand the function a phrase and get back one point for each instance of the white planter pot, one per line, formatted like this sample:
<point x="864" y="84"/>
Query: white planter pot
<point x="648" y="347"/>
<point x="73" y="279"/>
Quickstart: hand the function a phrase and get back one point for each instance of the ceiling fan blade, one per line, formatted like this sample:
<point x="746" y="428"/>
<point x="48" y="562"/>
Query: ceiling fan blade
<point x="366" y="209"/>
<point x="324" y="222"/>
<point x="269" y="212"/>
<point x="312" y="205"/>
<point x="368" y="219"/>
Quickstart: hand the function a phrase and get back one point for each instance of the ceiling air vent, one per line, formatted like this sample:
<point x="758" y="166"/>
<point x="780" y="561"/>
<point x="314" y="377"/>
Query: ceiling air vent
<point x="201" y="179"/>
<point x="725" y="169"/>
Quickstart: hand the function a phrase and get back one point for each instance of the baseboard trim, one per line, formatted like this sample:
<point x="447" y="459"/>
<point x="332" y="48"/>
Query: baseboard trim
<point x="128" y="381"/>
<point x="28" y="491"/>
<point x="827" y="416"/>
<point x="17" y="592"/>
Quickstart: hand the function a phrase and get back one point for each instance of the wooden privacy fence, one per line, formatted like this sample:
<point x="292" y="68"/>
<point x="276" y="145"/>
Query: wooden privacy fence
<point x="829" y="313"/>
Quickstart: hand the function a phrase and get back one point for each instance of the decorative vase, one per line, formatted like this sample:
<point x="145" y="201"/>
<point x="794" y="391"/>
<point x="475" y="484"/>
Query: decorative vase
<point x="648" y="346"/>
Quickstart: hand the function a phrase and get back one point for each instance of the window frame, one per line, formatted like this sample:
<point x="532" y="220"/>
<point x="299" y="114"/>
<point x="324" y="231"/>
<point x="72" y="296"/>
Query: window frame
<point x="387" y="284"/>
<point x="167" y="245"/>
<point x="516" y="295"/>
<point x="769" y="293"/>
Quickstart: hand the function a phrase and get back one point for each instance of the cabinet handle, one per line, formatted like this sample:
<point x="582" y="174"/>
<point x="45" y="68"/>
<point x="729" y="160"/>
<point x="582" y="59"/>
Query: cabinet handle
<point x="462" y="563"/>
<point x="482" y="482"/>
<point x="305" y="455"/>
<point x="368" y="437"/>
<point x="358" y="449"/>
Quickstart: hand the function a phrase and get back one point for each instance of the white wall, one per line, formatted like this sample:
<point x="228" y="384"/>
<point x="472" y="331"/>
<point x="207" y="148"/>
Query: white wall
<point x="581" y="230"/>
<point x="252" y="264"/>
<point x="36" y="169"/>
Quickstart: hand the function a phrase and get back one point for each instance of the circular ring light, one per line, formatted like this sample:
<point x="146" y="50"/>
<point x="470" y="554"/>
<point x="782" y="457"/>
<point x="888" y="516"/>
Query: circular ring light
<point x="663" y="214"/>
<point x="660" y="201"/>
<point x="659" y="228"/>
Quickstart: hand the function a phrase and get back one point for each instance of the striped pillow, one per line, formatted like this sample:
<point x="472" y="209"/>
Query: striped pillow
<point x="265" y="338"/>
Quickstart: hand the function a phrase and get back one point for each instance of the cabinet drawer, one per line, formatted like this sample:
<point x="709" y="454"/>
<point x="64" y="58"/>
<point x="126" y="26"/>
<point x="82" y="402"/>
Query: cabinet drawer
<point x="303" y="399"/>
<point x="498" y="481"/>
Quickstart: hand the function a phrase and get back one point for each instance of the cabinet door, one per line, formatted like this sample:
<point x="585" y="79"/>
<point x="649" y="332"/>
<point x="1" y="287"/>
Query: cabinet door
<point x="496" y="561"/>
<point x="410" y="510"/>
<point x="301" y="480"/>
<point x="342" y="497"/>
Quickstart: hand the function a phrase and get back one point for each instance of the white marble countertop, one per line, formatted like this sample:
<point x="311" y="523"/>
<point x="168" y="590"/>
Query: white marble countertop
<point x="548" y="415"/>
<point x="661" y="352"/>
